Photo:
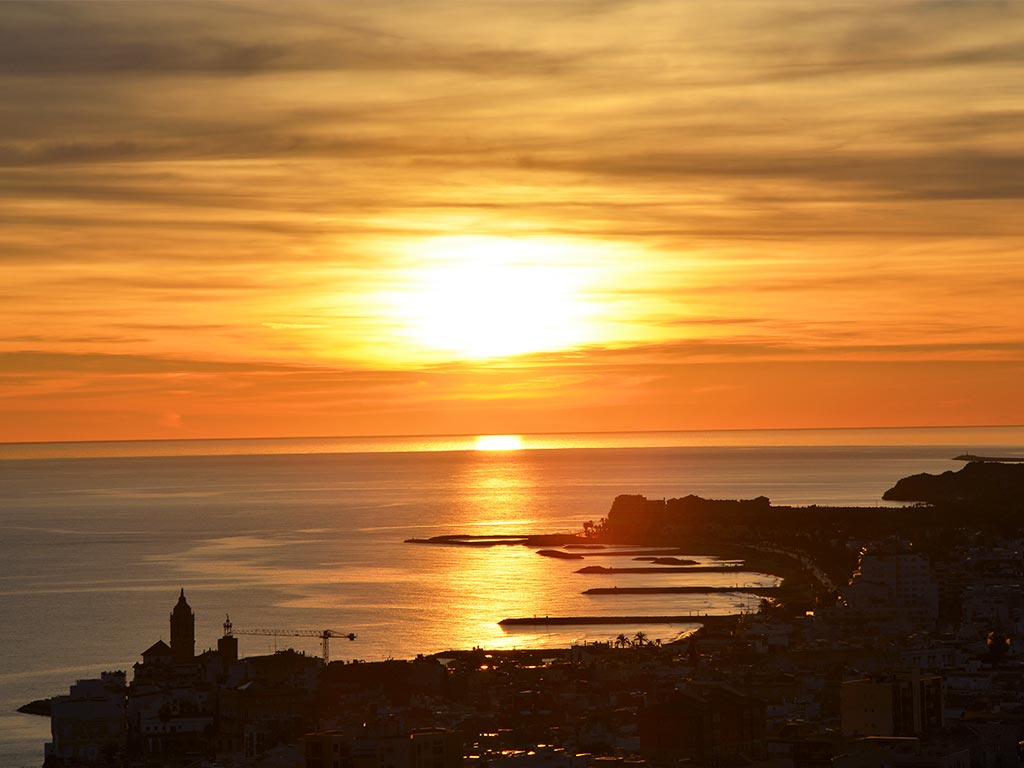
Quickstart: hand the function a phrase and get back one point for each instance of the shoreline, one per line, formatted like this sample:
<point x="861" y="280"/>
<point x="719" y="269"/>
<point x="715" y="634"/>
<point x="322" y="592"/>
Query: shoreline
<point x="799" y="585"/>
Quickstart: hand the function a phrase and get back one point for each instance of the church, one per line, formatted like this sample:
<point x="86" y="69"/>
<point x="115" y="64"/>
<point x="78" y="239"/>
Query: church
<point x="179" y="703"/>
<point x="171" y="696"/>
<point x="215" y="703"/>
<point x="182" y="649"/>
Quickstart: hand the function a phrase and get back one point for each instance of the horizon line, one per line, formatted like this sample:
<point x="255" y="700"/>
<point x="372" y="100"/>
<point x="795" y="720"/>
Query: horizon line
<point x="519" y="434"/>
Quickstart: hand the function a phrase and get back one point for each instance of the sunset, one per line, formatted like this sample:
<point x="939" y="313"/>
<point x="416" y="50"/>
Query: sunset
<point x="231" y="220"/>
<point x="511" y="383"/>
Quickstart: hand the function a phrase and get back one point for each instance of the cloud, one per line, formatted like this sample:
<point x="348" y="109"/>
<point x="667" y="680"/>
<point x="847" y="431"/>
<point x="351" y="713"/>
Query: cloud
<point x="750" y="350"/>
<point x="67" y="362"/>
<point x="54" y="339"/>
<point x="849" y="175"/>
<point x="113" y="38"/>
<point x="238" y="145"/>
<point x="294" y="326"/>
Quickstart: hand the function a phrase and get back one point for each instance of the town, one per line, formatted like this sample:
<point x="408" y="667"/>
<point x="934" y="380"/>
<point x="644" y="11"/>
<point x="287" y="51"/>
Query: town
<point x="889" y="643"/>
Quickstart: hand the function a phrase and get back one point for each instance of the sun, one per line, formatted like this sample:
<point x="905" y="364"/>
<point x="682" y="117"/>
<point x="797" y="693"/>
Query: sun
<point x="486" y="297"/>
<point x="499" y="443"/>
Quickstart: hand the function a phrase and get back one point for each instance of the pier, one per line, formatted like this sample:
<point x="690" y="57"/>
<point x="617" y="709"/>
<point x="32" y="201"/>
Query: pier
<point x="666" y="569"/>
<point x="561" y="621"/>
<point x="969" y="457"/>
<point x="766" y="591"/>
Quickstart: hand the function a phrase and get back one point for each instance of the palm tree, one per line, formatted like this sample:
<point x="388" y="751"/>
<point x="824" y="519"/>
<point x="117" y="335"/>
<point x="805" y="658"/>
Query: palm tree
<point x="621" y="641"/>
<point x="998" y="645"/>
<point x="640" y="639"/>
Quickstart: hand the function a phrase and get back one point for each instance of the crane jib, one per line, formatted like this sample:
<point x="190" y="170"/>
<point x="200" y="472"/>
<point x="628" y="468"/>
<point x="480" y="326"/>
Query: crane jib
<point x="325" y="635"/>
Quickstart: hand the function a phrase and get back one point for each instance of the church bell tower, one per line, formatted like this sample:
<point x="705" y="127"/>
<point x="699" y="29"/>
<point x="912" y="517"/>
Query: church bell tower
<point x="183" y="631"/>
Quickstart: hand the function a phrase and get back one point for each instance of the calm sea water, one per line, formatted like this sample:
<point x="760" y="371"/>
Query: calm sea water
<point x="98" y="538"/>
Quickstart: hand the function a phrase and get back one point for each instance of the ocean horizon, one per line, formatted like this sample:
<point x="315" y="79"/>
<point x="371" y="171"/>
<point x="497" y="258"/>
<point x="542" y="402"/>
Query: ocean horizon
<point x="1009" y="436"/>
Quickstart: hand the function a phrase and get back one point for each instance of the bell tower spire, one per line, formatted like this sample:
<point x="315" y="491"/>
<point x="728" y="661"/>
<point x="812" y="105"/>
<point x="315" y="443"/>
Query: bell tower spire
<point x="183" y="631"/>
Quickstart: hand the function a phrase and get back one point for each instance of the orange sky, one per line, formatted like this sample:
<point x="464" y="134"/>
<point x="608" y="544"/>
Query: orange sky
<point x="262" y="219"/>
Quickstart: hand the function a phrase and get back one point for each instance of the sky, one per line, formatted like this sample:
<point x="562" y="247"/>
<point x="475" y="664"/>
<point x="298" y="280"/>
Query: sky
<point x="245" y="219"/>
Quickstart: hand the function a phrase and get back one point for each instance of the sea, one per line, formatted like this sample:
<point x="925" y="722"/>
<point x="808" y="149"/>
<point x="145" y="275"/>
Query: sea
<point x="97" y="539"/>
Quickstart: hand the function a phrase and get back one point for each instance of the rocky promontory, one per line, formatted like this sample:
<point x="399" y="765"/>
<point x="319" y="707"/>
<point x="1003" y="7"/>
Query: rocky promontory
<point x="991" y="483"/>
<point x="38" y="707"/>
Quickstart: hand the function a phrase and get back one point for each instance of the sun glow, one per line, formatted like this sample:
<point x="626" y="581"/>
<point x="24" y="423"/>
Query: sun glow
<point x="485" y="297"/>
<point x="499" y="443"/>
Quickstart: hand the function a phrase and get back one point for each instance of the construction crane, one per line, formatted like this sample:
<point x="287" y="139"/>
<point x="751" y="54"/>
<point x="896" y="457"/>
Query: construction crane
<point x="325" y="635"/>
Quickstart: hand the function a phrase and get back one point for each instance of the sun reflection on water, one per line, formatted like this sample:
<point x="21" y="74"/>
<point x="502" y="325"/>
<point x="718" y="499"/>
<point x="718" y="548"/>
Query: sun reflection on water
<point x="489" y="584"/>
<point x="498" y="491"/>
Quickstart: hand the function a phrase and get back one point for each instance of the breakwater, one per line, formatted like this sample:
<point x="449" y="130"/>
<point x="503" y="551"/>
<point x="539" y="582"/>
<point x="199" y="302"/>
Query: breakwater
<point x="666" y="569"/>
<point x="766" y="591"/>
<point x="716" y="619"/>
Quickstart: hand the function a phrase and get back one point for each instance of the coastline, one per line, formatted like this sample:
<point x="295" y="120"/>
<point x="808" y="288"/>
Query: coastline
<point x="800" y="580"/>
<point x="343" y="501"/>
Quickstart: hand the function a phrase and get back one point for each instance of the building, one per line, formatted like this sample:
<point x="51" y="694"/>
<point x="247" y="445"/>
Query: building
<point x="435" y="748"/>
<point x="705" y="724"/>
<point x="902" y="752"/>
<point x="275" y="704"/>
<point x="909" y="704"/>
<point x="89" y="725"/>
<point x="384" y="745"/>
<point x="170" y="706"/>
<point x="893" y="583"/>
